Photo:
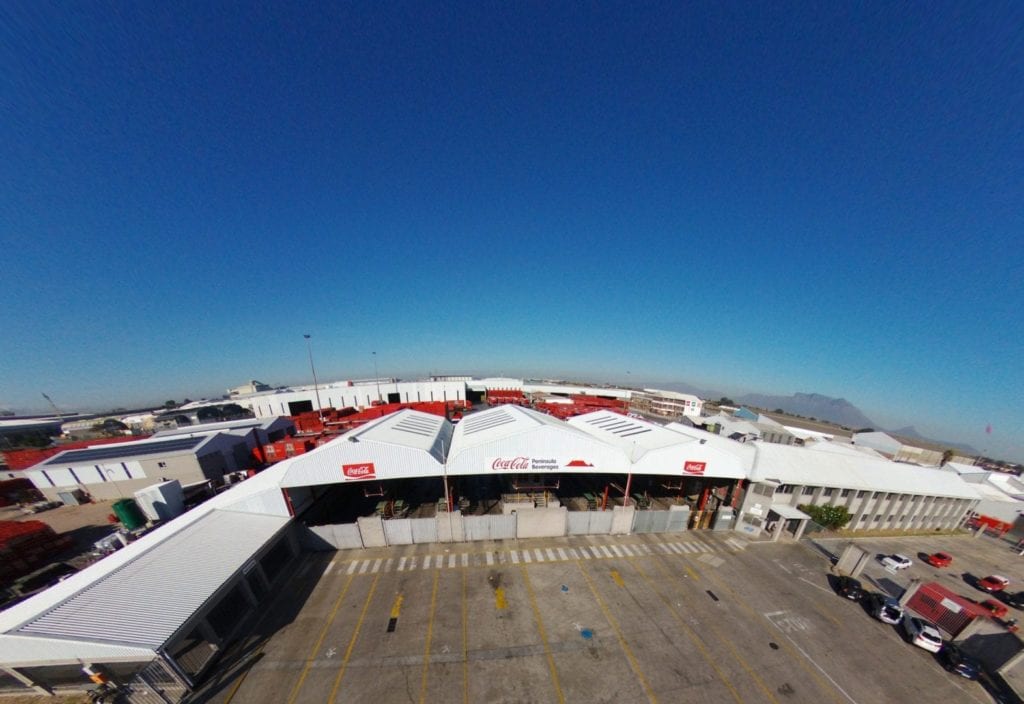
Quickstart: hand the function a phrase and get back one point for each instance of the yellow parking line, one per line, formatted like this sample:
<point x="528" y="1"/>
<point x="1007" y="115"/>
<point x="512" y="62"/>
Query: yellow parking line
<point x="500" y="601"/>
<point x="543" y="636"/>
<point x="430" y="631"/>
<point x="352" y="641"/>
<point x="622" y="639"/>
<point x="618" y="578"/>
<point x="465" y="642"/>
<point x="707" y="656"/>
<point x="319" y="642"/>
<point x="396" y="608"/>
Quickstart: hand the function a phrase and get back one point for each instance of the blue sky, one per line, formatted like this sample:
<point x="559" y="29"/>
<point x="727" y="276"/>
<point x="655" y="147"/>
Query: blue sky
<point x="776" y="199"/>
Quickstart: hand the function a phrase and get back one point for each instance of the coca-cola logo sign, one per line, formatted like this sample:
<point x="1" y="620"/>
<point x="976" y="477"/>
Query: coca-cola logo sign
<point x="359" y="471"/>
<point x="520" y="463"/>
<point x="694" y="467"/>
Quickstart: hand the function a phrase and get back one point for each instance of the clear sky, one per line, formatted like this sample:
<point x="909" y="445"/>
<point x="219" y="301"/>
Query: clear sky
<point x="821" y="197"/>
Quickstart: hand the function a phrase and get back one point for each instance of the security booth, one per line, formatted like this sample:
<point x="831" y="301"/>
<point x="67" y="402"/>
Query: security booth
<point x="783" y="518"/>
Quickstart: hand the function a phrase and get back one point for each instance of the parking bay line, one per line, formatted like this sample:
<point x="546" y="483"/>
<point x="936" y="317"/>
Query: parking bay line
<point x="352" y="641"/>
<point x="622" y="639"/>
<point x="319" y="641"/>
<point x="543" y="635"/>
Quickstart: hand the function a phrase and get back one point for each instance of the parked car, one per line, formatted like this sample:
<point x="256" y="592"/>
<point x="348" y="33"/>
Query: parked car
<point x="996" y="608"/>
<point x="921" y="633"/>
<point x="850" y="588"/>
<point x="886" y="609"/>
<point x="939" y="559"/>
<point x="897" y="561"/>
<point x="993" y="583"/>
<point x="1016" y="600"/>
<point x="956" y="660"/>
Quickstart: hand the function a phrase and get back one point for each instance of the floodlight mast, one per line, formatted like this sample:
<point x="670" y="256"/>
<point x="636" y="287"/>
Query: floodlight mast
<point x="316" y="387"/>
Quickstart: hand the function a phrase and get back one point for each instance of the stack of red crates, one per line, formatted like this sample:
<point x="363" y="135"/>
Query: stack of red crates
<point x="24" y="545"/>
<point x="497" y="397"/>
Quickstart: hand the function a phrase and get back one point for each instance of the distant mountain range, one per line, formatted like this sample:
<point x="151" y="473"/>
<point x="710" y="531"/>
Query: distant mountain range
<point x="834" y="410"/>
<point x="826" y="408"/>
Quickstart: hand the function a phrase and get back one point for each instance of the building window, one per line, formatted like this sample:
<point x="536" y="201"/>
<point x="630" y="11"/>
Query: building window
<point x="808" y="490"/>
<point x="889" y="519"/>
<point x="844" y="493"/>
<point x="878" y="517"/>
<point x="876" y="495"/>
<point x="828" y="492"/>
<point x="888" y="497"/>
<point x="861" y="494"/>
<point x="784" y="489"/>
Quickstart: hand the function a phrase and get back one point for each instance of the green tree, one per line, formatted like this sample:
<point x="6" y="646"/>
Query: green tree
<point x="170" y="404"/>
<point x="831" y="517"/>
<point x="726" y="401"/>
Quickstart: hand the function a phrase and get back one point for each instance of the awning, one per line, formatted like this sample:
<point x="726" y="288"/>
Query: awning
<point x="786" y="511"/>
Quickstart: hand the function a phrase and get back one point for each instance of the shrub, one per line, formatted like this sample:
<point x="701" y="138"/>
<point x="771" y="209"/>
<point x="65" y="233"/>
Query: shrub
<point x="831" y="517"/>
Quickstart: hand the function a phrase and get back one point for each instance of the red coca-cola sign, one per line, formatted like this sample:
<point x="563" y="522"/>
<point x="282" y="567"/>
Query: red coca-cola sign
<point x="359" y="471"/>
<point x="513" y="463"/>
<point x="694" y="467"/>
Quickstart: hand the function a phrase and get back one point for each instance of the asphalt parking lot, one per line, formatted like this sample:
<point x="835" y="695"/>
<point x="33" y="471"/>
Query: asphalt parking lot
<point x="695" y="617"/>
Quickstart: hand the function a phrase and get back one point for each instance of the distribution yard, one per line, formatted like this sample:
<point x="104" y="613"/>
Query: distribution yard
<point x="643" y="618"/>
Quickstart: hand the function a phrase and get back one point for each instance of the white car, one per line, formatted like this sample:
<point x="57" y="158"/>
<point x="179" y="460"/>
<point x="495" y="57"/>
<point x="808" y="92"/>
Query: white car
<point x="921" y="633"/>
<point x="897" y="562"/>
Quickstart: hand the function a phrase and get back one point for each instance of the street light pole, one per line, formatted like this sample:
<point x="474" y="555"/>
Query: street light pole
<point x="376" y="377"/>
<point x="316" y="387"/>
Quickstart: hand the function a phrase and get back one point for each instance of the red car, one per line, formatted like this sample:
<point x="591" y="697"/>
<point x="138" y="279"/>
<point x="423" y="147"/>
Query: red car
<point x="993" y="583"/>
<point x="997" y="608"/>
<point x="939" y="559"/>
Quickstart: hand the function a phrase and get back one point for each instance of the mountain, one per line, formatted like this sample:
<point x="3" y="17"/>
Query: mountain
<point x="910" y="433"/>
<point x="835" y="410"/>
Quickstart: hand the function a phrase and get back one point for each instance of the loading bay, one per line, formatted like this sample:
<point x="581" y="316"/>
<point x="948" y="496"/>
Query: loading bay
<point x="694" y="617"/>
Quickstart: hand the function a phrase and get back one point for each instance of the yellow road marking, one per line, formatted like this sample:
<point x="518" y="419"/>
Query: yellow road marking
<point x="618" y="578"/>
<point x="352" y="641"/>
<point x="735" y="653"/>
<point x="693" y="575"/>
<point x="465" y="642"/>
<point x="238" y="683"/>
<point x="396" y="608"/>
<point x="319" y="642"/>
<point x="825" y="685"/>
<point x="430" y="632"/>
<point x="543" y="636"/>
<point x="499" y="598"/>
<point x="618" y="632"/>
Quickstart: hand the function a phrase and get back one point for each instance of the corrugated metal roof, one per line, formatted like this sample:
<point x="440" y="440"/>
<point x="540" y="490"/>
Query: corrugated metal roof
<point x="810" y="466"/>
<point x="132" y="449"/>
<point x="149" y="598"/>
<point x="408" y="428"/>
<point x="33" y="651"/>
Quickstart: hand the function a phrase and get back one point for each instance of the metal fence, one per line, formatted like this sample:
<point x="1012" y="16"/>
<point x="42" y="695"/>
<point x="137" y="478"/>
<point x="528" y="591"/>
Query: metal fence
<point x="155" y="684"/>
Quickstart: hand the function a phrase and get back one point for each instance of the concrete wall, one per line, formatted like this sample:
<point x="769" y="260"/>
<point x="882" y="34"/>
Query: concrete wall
<point x="541" y="522"/>
<point x="622" y="520"/>
<point x="371" y="528"/>
<point x="450" y="528"/>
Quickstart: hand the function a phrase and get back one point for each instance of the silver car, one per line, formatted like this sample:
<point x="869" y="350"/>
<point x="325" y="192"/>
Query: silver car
<point x="887" y="609"/>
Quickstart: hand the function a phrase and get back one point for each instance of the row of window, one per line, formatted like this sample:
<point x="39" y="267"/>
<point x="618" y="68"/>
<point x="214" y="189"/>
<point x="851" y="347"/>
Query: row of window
<point x="829" y="491"/>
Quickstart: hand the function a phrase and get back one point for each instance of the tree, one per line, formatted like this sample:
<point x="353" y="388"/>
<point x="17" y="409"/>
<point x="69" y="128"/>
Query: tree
<point x="726" y="401"/>
<point x="946" y="457"/>
<point x="170" y="404"/>
<point x="830" y="517"/>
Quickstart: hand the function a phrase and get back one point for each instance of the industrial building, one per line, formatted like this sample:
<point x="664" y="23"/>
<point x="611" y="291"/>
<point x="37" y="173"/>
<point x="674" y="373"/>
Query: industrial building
<point x="667" y="404"/>
<point x="159" y="610"/>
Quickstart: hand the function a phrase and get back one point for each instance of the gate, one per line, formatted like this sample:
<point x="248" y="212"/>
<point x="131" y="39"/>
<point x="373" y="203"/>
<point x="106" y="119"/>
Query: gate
<point x="398" y="531"/>
<point x="490" y="527"/>
<point x="651" y="522"/>
<point x="590" y="522"/>
<point x="156" y="683"/>
<point x="424" y="530"/>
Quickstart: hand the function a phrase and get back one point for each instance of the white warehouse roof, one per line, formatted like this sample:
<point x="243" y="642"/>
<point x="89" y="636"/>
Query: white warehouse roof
<point x="515" y="439"/>
<point x="811" y="466"/>
<point x="403" y="444"/>
<point x="655" y="449"/>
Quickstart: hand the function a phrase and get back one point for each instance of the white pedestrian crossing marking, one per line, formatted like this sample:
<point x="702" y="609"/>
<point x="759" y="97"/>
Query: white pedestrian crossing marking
<point x="606" y="551"/>
<point x="575" y="555"/>
<point x="365" y="566"/>
<point x="490" y="558"/>
<point x="329" y="568"/>
<point x="646" y="549"/>
<point x="401" y="564"/>
<point x="617" y="550"/>
<point x="412" y="563"/>
<point x="451" y="560"/>
<point x="663" y="547"/>
<point x="465" y="559"/>
<point x="352" y="567"/>
<point x="628" y="550"/>
<point x="538" y="554"/>
<point x="526" y="556"/>
<point x="561" y="554"/>
<point x="515" y="557"/>
<point x="387" y="565"/>
<point x="551" y="554"/>
<point x="377" y="564"/>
